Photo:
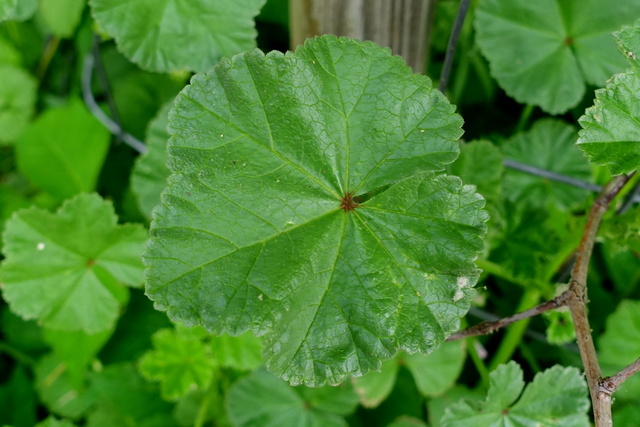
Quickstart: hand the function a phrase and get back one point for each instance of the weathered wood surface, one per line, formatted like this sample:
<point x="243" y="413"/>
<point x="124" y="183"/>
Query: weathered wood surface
<point x="402" y="25"/>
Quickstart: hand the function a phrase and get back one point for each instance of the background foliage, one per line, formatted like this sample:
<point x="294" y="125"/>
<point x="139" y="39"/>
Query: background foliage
<point x="81" y="343"/>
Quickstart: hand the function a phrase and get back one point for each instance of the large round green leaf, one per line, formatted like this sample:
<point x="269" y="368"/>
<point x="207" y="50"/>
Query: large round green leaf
<point x="303" y="205"/>
<point x="543" y="52"/>
<point x="167" y="35"/>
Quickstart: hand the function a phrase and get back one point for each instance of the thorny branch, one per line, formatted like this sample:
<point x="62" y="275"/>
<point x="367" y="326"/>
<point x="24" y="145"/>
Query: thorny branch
<point x="578" y="301"/>
<point x="486" y="328"/>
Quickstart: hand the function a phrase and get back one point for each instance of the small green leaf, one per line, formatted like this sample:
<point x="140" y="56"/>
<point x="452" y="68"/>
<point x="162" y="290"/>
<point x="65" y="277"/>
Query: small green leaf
<point x="76" y="350"/>
<point x="436" y="372"/>
<point x="303" y="206"/>
<point x="56" y="390"/>
<point x="168" y="35"/>
<point x="560" y="328"/>
<point x="150" y="172"/>
<point x="262" y="400"/>
<point x="619" y="346"/>
<point x="242" y="352"/>
<point x="63" y="150"/>
<point x="374" y="387"/>
<point x="548" y="145"/>
<point x="610" y="134"/>
<point x="628" y="39"/>
<point x="555" y="397"/>
<point x="67" y="269"/>
<point x="180" y="361"/>
<point x="544" y="52"/>
<point x="62" y="16"/>
<point x="17" y="101"/>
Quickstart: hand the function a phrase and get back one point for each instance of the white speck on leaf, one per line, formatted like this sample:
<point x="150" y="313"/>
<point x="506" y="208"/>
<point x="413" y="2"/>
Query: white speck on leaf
<point x="260" y="297"/>
<point x="421" y="130"/>
<point x="221" y="136"/>
<point x="40" y="246"/>
<point x="462" y="282"/>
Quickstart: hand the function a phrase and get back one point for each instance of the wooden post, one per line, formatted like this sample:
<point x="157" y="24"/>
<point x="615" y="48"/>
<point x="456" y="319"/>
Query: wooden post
<point x="402" y="25"/>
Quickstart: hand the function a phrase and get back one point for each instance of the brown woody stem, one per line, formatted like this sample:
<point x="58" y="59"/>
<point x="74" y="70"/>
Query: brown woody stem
<point x="578" y="301"/>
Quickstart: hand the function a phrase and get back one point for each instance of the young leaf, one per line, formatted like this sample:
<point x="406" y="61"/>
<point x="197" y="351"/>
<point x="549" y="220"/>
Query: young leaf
<point x="240" y="353"/>
<point x="262" y="400"/>
<point x="18" y="98"/>
<point x="170" y="35"/>
<point x="63" y="150"/>
<point x="628" y="39"/>
<point x="180" y="361"/>
<point x="611" y="127"/>
<point x="548" y="145"/>
<point x="150" y="173"/>
<point x="67" y="269"/>
<point x="555" y="397"/>
<point x="303" y="206"/>
<point x="620" y="345"/>
<point x="543" y="52"/>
